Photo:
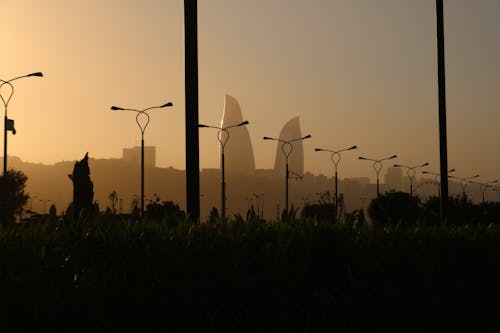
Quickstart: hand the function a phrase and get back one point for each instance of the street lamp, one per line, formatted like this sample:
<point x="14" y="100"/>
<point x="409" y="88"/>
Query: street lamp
<point x="335" y="157"/>
<point x="223" y="137"/>
<point x="287" y="148"/>
<point x="436" y="176"/>
<point x="410" y="171"/>
<point x="142" y="127"/>
<point x="484" y="186"/>
<point x="377" y="166"/>
<point x="9" y="123"/>
<point x="463" y="182"/>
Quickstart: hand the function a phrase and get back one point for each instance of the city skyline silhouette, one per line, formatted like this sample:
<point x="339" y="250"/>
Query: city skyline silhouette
<point x="353" y="71"/>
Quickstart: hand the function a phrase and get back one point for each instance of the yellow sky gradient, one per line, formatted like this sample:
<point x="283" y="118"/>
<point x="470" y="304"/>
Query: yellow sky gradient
<point x="356" y="71"/>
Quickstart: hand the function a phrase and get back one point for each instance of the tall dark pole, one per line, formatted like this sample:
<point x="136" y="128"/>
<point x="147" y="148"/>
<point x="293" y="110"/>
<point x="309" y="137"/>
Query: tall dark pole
<point x="191" y="87"/>
<point x="442" y="112"/>
<point x="5" y="147"/>
<point x="287" y="173"/>
<point x="336" y="196"/>
<point x="223" y="184"/>
<point x="142" y="176"/>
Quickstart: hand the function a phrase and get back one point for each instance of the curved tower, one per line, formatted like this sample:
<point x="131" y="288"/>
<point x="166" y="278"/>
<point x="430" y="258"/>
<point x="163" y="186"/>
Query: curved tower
<point x="290" y="131"/>
<point x="238" y="151"/>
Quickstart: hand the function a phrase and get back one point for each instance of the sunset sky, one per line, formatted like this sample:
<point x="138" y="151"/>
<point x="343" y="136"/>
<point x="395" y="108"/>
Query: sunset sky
<point x="356" y="72"/>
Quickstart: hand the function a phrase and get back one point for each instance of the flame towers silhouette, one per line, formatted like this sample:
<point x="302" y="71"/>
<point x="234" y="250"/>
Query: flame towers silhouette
<point x="290" y="131"/>
<point x="240" y="157"/>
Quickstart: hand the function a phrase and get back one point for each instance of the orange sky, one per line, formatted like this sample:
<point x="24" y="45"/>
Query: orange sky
<point x="356" y="71"/>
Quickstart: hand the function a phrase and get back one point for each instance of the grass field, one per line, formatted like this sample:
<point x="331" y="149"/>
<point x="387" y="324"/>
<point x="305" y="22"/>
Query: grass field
<point x="305" y="276"/>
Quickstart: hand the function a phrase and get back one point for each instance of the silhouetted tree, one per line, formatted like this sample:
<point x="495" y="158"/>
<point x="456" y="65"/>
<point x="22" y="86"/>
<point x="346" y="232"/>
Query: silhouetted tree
<point x="214" y="215"/>
<point x="53" y="213"/>
<point x="165" y="211"/>
<point x="12" y="196"/>
<point x="83" y="188"/>
<point x="461" y="211"/>
<point x="323" y="209"/>
<point x="393" y="208"/>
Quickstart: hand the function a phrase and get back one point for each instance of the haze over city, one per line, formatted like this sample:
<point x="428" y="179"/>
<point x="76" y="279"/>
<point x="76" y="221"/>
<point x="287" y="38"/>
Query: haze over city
<point x="356" y="72"/>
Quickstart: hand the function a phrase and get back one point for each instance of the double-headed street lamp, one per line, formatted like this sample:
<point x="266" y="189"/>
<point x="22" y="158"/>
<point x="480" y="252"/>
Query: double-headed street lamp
<point x="335" y="157"/>
<point x="287" y="148"/>
<point x="223" y="137"/>
<point x="484" y="186"/>
<point x="410" y="171"/>
<point x="377" y="166"/>
<point x="142" y="127"/>
<point x="464" y="181"/>
<point x="9" y="123"/>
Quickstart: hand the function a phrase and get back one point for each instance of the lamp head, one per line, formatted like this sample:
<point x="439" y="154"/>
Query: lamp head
<point x="202" y="126"/>
<point x="353" y="147"/>
<point x="166" y="104"/>
<point x="393" y="156"/>
<point x="318" y="149"/>
<point x="244" y="123"/>
<point x="267" y="138"/>
<point x="425" y="164"/>
<point x="39" y="74"/>
<point x="397" y="165"/>
<point x="116" y="108"/>
<point x="361" y="158"/>
<point x="307" y="136"/>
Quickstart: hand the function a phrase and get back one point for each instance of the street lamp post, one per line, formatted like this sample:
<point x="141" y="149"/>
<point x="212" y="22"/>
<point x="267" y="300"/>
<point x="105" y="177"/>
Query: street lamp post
<point x="287" y="148"/>
<point x="335" y="157"/>
<point x="377" y="166"/>
<point x="484" y="186"/>
<point x="410" y="171"/>
<point x="9" y="123"/>
<point x="463" y="182"/>
<point x="142" y="127"/>
<point x="436" y="176"/>
<point x="223" y="137"/>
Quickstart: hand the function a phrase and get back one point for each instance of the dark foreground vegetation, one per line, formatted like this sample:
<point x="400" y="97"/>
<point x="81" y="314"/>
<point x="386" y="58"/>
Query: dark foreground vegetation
<point x="109" y="275"/>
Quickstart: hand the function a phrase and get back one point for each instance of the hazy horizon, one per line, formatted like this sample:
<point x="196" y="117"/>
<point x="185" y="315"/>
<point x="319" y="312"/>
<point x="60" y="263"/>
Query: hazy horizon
<point x="356" y="72"/>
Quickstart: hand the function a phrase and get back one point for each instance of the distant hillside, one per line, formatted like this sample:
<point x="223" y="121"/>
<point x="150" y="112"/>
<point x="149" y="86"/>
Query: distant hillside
<point x="51" y="182"/>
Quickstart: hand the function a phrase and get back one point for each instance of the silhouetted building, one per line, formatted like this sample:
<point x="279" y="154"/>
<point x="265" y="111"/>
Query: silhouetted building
<point x="290" y="131"/>
<point x="239" y="152"/>
<point x="133" y="155"/>
<point x="394" y="178"/>
<point x="361" y="180"/>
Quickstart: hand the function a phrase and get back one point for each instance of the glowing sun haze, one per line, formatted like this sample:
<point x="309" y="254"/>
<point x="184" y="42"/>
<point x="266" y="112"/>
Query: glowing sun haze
<point x="357" y="72"/>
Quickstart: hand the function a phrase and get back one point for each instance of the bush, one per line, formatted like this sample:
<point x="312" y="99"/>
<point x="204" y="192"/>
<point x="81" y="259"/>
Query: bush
<point x="12" y="196"/>
<point x="394" y="208"/>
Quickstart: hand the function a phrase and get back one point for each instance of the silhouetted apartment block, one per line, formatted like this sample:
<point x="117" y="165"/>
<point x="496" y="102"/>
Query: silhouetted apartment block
<point x="133" y="155"/>
<point x="394" y="179"/>
<point x="360" y="180"/>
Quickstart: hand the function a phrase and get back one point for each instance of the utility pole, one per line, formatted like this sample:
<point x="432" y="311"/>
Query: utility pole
<point x="443" y="152"/>
<point x="191" y="87"/>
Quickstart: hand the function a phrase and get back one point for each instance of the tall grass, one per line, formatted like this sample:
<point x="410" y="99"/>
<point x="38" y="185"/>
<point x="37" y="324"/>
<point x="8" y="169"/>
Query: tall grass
<point x="103" y="276"/>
